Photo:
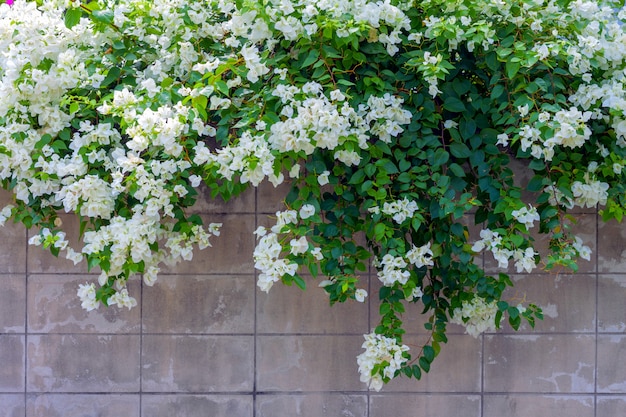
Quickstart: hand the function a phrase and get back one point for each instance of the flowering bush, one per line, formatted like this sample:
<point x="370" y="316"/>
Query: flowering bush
<point x="395" y="121"/>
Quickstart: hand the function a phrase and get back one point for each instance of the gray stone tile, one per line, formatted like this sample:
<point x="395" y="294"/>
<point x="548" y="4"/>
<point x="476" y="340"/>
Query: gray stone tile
<point x="12" y="248"/>
<point x="291" y="310"/>
<point x="197" y="363"/>
<point x="197" y="405"/>
<point x="243" y="203"/>
<point x="610" y="406"/>
<point x="81" y="405"/>
<point x="418" y="405"/>
<point x="539" y="405"/>
<point x="12" y="357"/>
<point x="612" y="364"/>
<point x="308" y="363"/>
<point x="199" y="304"/>
<point x="83" y="363"/>
<point x="611" y="247"/>
<point x="231" y="252"/>
<point x="568" y="302"/>
<point x="539" y="363"/>
<point x="270" y="199"/>
<point x="611" y="296"/>
<point x="6" y="197"/>
<point x="12" y="303"/>
<point x="54" y="307"/>
<point x="456" y="369"/>
<point x="13" y="405"/>
<point x="311" y="405"/>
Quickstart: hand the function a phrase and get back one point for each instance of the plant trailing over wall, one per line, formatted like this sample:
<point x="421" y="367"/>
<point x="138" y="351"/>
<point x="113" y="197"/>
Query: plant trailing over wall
<point x="395" y="121"/>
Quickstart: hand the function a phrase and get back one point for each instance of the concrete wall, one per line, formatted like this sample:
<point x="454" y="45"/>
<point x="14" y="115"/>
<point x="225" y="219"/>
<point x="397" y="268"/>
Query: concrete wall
<point x="205" y="342"/>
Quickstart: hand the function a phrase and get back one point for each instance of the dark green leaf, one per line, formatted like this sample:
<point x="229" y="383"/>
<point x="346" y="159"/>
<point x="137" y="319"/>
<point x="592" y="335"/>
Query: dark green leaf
<point x="112" y="75"/>
<point x="460" y="150"/>
<point x="512" y="68"/>
<point x="440" y="157"/>
<point x="429" y="353"/>
<point x="453" y="104"/>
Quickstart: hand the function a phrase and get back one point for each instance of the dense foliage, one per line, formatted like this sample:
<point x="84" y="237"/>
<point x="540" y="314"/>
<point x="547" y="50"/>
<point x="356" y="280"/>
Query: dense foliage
<point x="395" y="121"/>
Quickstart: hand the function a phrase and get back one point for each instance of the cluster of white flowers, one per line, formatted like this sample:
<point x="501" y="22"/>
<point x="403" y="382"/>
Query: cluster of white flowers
<point x="267" y="261"/>
<point x="590" y="193"/>
<point x="135" y="238"/>
<point x="392" y="268"/>
<point x="400" y="210"/>
<point x="383" y="352"/>
<point x="476" y="315"/>
<point x="40" y="63"/>
<point x="420" y="256"/>
<point x="251" y="158"/>
<point x="492" y="241"/>
<point x="583" y="251"/>
<point x="87" y="295"/>
<point x="46" y="237"/>
<point x="269" y="248"/>
<point x="313" y="120"/>
<point x="296" y="19"/>
<point x="92" y="194"/>
<point x="6" y="213"/>
<point x="431" y="68"/>
<point x="526" y="215"/>
<point x="569" y="129"/>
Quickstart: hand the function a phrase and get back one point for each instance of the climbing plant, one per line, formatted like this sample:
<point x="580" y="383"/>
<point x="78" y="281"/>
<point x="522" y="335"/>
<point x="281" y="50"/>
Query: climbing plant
<point x="395" y="123"/>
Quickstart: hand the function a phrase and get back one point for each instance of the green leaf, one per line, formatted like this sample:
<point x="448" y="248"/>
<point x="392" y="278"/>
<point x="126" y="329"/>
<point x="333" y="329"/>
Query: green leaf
<point x="384" y="309"/>
<point x="429" y="353"/>
<point x="74" y="107"/>
<point x="536" y="183"/>
<point x="467" y="128"/>
<point x="299" y="282"/>
<point x="497" y="91"/>
<point x="440" y="157"/>
<point x="72" y="17"/>
<point x="92" y="262"/>
<point x="357" y="177"/>
<point x="314" y="54"/>
<point x="453" y="104"/>
<point x="112" y="75"/>
<point x="103" y="16"/>
<point x="222" y="87"/>
<point x="417" y="372"/>
<point x="460" y="150"/>
<point x="456" y="169"/>
<point x="512" y="68"/>
<point x="379" y="231"/>
<point x="45" y="139"/>
<point x="345" y="82"/>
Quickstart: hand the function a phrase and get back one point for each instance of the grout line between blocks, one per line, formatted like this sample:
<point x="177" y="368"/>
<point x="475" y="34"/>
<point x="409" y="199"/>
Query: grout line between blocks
<point x="597" y="297"/>
<point x="26" y="329"/>
<point x="255" y="324"/>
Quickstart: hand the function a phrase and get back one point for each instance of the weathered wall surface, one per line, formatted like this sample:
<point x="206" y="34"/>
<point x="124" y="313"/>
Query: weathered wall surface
<point x="205" y="342"/>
